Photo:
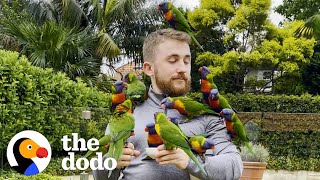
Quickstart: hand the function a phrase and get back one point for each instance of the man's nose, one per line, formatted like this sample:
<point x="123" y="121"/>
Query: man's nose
<point x="182" y="67"/>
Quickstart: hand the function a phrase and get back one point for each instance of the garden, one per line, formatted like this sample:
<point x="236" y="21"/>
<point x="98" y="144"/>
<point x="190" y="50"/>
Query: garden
<point x="51" y="52"/>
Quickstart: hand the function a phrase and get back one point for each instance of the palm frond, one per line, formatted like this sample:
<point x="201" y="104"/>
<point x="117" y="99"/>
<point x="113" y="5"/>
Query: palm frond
<point x="123" y="9"/>
<point x="106" y="46"/>
<point x="311" y="28"/>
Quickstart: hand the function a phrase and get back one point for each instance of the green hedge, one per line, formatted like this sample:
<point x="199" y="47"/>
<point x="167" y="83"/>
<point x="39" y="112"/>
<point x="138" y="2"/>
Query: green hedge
<point x="32" y="98"/>
<point x="12" y="175"/>
<point x="289" y="127"/>
<point x="291" y="138"/>
<point x="270" y="103"/>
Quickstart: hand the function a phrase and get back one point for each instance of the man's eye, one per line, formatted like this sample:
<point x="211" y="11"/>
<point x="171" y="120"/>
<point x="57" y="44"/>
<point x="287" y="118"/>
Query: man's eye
<point x="172" y="60"/>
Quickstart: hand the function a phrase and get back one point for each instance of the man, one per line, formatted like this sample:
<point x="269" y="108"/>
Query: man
<point x="167" y="61"/>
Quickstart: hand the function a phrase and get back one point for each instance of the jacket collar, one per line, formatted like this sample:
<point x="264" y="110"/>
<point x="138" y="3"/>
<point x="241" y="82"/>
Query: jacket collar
<point x="154" y="98"/>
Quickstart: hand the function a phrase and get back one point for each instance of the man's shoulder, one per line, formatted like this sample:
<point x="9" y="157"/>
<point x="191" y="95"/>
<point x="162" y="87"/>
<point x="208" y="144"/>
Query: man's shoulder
<point x="208" y="117"/>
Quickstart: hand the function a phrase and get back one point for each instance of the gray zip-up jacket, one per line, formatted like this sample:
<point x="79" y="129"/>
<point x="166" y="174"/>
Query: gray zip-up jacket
<point x="222" y="163"/>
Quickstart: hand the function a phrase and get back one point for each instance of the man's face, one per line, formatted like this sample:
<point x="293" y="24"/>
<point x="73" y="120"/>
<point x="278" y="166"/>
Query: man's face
<point x="172" y="65"/>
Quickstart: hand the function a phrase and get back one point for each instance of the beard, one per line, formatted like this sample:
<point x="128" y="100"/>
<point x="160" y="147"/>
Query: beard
<point x="168" y="87"/>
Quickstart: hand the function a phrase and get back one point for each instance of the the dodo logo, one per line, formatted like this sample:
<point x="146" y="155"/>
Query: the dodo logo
<point x="29" y="152"/>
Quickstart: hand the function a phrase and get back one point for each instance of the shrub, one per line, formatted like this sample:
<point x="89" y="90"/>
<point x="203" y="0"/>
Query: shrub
<point x="32" y="98"/>
<point x="260" y="153"/>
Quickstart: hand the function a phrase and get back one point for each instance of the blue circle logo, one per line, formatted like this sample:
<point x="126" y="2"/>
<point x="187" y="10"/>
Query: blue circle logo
<point x="29" y="152"/>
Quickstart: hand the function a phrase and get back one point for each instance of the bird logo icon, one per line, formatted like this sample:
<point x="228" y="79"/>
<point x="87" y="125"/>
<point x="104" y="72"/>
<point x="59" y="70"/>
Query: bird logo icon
<point x="29" y="152"/>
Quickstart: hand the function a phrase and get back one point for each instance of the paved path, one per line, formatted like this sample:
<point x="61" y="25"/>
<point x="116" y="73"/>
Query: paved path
<point x="268" y="175"/>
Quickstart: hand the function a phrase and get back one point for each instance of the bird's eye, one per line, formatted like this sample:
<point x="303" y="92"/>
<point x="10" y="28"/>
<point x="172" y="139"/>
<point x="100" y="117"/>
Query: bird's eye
<point x="29" y="147"/>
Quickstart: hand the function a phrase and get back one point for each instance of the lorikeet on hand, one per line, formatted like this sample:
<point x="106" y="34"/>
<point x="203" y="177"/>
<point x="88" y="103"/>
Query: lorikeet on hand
<point x="186" y="106"/>
<point x="235" y="126"/>
<point x="173" y="137"/>
<point x="121" y="128"/>
<point x="103" y="146"/>
<point x="176" y="19"/>
<point x="153" y="138"/>
<point x="122" y="117"/>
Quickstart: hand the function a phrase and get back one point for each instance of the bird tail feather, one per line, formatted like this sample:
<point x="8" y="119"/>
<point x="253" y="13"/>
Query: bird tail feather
<point x="195" y="160"/>
<point x="195" y="40"/>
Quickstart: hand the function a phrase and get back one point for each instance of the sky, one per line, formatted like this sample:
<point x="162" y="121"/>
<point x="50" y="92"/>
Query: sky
<point x="190" y="4"/>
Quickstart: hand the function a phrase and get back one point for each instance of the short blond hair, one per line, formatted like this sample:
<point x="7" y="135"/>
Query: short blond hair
<point x="159" y="36"/>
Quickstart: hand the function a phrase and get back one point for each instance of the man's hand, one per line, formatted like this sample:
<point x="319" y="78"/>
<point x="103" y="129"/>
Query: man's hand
<point x="127" y="153"/>
<point x="175" y="156"/>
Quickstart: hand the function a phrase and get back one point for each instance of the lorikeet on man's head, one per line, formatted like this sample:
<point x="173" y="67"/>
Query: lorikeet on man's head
<point x="176" y="19"/>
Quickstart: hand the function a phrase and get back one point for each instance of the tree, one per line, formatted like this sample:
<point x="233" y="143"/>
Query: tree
<point x="68" y="35"/>
<point x="279" y="51"/>
<point x="311" y="28"/>
<point x="238" y="27"/>
<point x="310" y="74"/>
<point x="298" y="9"/>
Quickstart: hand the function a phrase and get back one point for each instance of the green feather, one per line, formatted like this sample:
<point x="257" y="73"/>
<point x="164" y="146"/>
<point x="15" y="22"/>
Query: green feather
<point x="182" y="24"/>
<point x="173" y="137"/>
<point x="194" y="108"/>
<point x="136" y="90"/>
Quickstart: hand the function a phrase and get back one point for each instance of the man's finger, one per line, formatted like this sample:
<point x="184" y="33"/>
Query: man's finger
<point x="165" y="152"/>
<point x="167" y="158"/>
<point x="127" y="151"/>
<point x="136" y="153"/>
<point x="161" y="147"/>
<point x="167" y="162"/>
<point x="131" y="146"/>
<point x="125" y="158"/>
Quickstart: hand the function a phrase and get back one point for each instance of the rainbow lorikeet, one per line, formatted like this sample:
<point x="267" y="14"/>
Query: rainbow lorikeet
<point x="123" y="118"/>
<point x="118" y="95"/>
<point x="200" y="143"/>
<point x="121" y="128"/>
<point x="217" y="102"/>
<point x="235" y="126"/>
<point x="103" y="146"/>
<point x="153" y="138"/>
<point x="136" y="90"/>
<point x="173" y="137"/>
<point x="176" y="19"/>
<point x="186" y="106"/>
<point x="206" y="83"/>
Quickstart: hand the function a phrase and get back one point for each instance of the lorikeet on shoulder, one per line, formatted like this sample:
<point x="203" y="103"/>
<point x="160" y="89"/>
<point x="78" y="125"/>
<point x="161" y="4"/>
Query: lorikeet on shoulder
<point x="186" y="106"/>
<point x="136" y="90"/>
<point x="217" y="102"/>
<point x="118" y="95"/>
<point x="206" y="83"/>
<point x="235" y="126"/>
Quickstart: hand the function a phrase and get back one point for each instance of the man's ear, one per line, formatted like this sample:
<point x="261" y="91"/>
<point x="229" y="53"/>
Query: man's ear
<point x="148" y="68"/>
